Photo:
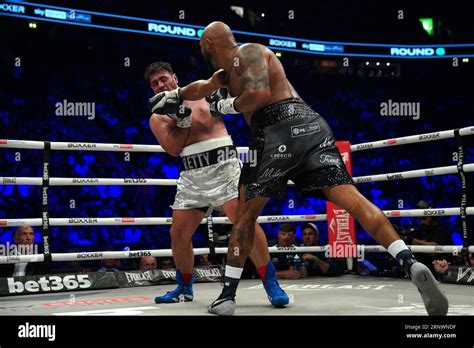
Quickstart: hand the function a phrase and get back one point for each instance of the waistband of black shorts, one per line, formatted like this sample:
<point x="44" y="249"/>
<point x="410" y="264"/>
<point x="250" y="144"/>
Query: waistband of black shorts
<point x="283" y="110"/>
<point x="208" y="158"/>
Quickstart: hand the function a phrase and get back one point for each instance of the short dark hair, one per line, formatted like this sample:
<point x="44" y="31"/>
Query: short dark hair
<point x="287" y="227"/>
<point x="155" y="67"/>
<point x="311" y="226"/>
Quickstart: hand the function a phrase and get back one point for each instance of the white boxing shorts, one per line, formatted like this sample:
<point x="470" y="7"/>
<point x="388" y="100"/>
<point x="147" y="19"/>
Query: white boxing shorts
<point x="211" y="175"/>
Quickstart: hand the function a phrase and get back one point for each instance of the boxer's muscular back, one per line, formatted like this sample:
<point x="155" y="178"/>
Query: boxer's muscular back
<point x="279" y="85"/>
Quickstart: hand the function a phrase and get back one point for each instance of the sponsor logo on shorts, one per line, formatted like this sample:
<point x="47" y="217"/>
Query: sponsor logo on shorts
<point x="281" y="153"/>
<point x="328" y="141"/>
<point x="271" y="173"/>
<point x="328" y="159"/>
<point x="305" y="129"/>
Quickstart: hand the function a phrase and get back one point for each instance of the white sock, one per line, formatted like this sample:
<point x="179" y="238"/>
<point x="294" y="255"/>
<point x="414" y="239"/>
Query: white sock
<point x="396" y="247"/>
<point x="233" y="272"/>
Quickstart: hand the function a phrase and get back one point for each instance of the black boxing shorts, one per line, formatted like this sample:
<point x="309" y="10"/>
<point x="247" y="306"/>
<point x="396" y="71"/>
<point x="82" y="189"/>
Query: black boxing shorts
<point x="291" y="142"/>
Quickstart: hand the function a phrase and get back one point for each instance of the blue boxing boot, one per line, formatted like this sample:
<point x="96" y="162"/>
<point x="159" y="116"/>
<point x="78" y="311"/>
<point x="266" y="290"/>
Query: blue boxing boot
<point x="275" y="293"/>
<point x="183" y="293"/>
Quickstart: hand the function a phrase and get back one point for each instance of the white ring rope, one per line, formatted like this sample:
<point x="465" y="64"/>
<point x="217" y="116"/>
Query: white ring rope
<point x="25" y="144"/>
<point x="123" y="221"/>
<point x="37" y="181"/>
<point x="412" y="139"/>
<point x="100" y="255"/>
<point x="39" y="145"/>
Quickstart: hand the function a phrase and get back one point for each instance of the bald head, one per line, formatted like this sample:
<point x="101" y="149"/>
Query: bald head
<point x="218" y="31"/>
<point x="216" y="40"/>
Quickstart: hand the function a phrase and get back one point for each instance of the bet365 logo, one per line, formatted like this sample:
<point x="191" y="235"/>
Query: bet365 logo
<point x="52" y="283"/>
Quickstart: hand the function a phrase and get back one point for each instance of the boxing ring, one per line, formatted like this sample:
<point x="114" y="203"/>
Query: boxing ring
<point x="344" y="295"/>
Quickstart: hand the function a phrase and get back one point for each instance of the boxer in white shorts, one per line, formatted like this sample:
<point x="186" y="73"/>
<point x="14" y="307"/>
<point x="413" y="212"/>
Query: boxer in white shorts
<point x="209" y="180"/>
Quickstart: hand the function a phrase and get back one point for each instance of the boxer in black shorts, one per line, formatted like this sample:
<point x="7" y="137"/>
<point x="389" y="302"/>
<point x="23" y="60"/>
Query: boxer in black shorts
<point x="292" y="142"/>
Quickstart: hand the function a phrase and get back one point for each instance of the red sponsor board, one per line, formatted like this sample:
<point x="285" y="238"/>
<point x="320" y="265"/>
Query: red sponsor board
<point x="396" y="213"/>
<point x="341" y="226"/>
<point x="3" y="223"/>
<point x="128" y="220"/>
<point x="126" y="146"/>
<point x="3" y="141"/>
<point x="391" y="141"/>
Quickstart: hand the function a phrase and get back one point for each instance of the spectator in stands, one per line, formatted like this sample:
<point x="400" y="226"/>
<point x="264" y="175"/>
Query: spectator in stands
<point x="167" y="263"/>
<point x="148" y="263"/>
<point x="284" y="261"/>
<point x="318" y="264"/>
<point x="430" y="232"/>
<point x="109" y="265"/>
<point x="24" y="245"/>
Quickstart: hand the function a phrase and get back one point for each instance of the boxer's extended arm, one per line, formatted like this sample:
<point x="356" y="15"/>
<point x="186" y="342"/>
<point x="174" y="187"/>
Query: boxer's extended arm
<point x="202" y="88"/>
<point x="254" y="79"/>
<point x="170" y="137"/>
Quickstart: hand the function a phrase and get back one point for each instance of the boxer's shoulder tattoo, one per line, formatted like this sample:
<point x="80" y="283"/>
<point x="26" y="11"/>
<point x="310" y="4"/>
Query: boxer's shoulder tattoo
<point x="255" y="70"/>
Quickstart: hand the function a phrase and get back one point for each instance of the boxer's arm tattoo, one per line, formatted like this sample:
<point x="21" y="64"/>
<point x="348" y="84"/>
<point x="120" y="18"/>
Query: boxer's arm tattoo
<point x="254" y="79"/>
<point x="255" y="75"/>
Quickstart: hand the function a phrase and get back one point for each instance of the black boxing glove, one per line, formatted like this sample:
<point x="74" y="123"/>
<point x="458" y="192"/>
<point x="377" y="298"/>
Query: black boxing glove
<point x="220" y="103"/>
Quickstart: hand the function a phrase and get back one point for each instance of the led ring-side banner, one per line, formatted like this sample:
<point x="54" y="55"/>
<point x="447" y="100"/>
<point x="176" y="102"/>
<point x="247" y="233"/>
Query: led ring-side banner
<point x="108" y="21"/>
